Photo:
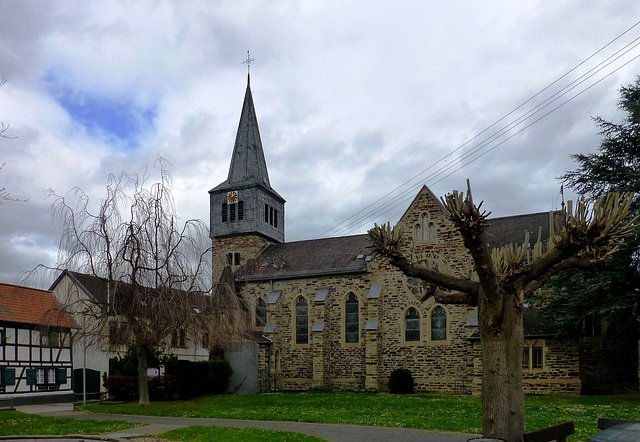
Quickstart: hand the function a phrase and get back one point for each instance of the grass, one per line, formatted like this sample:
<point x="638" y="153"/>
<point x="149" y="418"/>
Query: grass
<point x="14" y="423"/>
<point x="435" y="412"/>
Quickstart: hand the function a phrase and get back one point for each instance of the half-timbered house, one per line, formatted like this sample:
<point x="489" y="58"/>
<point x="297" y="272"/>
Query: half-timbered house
<point x="35" y="347"/>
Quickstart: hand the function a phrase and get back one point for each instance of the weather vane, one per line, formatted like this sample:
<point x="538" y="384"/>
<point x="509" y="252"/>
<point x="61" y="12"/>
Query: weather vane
<point x="248" y="62"/>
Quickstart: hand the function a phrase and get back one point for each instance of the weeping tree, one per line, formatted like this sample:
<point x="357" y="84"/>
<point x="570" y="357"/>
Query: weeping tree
<point x="156" y="271"/>
<point x="584" y="236"/>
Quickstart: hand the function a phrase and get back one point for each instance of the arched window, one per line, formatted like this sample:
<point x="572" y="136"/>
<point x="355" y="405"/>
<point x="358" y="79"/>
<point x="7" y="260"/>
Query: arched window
<point x="418" y="233"/>
<point x="276" y="364"/>
<point x="261" y="312"/>
<point x="412" y="325"/>
<point x="236" y="259"/>
<point x="438" y="324"/>
<point x="351" y="318"/>
<point x="302" y="321"/>
<point x="431" y="232"/>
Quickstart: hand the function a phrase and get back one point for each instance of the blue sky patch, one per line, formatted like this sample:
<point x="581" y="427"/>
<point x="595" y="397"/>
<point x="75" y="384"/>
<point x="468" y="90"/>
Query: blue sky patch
<point x="119" y="120"/>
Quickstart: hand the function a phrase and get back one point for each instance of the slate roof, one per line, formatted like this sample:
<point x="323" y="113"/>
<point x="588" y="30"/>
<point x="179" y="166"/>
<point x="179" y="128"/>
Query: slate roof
<point x="32" y="306"/>
<point x="339" y="255"/>
<point x="94" y="287"/>
<point x="511" y="229"/>
<point x="248" y="165"/>
<point x="327" y="256"/>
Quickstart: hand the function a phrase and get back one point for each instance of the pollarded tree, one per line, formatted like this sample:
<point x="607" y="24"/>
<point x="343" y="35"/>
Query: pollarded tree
<point x="157" y="270"/>
<point x="584" y="237"/>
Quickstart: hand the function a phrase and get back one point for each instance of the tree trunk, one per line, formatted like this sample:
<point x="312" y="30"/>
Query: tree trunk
<point x="502" y="394"/>
<point x="143" y="385"/>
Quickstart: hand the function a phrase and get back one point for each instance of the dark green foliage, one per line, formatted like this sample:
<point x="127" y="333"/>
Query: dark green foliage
<point x="611" y="293"/>
<point x="182" y="379"/>
<point x="127" y="365"/>
<point x="122" y="388"/>
<point x="125" y="388"/>
<point x="401" y="381"/>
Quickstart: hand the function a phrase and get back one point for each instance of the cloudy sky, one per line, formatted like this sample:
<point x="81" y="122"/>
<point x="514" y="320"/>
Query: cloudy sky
<point x="359" y="102"/>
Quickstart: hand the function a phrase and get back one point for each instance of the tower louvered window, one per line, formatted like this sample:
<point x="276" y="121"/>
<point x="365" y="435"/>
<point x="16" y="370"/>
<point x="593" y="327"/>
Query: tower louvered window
<point x="225" y="212"/>
<point x="240" y="210"/>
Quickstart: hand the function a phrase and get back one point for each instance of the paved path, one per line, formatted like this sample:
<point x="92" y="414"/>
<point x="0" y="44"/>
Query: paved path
<point x="330" y="432"/>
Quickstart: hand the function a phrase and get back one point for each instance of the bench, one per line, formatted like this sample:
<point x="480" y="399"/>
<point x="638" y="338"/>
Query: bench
<point x="604" y="423"/>
<point x="557" y="432"/>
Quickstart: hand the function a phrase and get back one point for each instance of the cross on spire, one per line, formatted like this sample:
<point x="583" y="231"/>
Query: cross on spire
<point x="248" y="62"/>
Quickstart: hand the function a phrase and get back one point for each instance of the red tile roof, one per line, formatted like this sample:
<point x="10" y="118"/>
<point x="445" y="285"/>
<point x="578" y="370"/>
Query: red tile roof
<point x="32" y="306"/>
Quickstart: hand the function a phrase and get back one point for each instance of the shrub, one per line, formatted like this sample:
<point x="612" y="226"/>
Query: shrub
<point x="122" y="388"/>
<point x="401" y="381"/>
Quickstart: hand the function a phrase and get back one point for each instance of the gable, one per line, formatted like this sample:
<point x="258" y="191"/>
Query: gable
<point x="424" y="202"/>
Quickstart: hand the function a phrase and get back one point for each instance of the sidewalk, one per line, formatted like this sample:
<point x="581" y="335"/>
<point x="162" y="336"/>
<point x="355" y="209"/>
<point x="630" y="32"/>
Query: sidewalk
<point x="331" y="432"/>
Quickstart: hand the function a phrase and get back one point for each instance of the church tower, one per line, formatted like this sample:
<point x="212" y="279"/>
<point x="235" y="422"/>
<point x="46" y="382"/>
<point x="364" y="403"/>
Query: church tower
<point x="246" y="213"/>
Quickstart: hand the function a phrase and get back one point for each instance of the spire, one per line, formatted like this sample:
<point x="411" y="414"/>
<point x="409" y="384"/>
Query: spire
<point x="248" y="165"/>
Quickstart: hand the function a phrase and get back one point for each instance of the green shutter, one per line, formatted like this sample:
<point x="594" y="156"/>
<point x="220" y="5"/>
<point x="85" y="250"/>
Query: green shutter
<point x="8" y="376"/>
<point x="31" y="376"/>
<point x="61" y="377"/>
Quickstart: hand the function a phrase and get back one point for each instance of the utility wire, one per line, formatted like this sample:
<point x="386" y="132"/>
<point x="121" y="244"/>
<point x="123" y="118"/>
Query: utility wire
<point x="354" y="222"/>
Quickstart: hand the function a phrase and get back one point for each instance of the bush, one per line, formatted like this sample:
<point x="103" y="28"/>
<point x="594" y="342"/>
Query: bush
<point x="122" y="388"/>
<point x="182" y="379"/>
<point x="200" y="378"/>
<point x="401" y="381"/>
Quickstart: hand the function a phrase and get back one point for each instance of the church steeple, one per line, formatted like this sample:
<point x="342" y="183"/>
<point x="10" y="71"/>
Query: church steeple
<point x="248" y="165"/>
<point x="246" y="204"/>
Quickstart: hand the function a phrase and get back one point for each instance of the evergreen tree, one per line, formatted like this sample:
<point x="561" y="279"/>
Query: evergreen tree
<point x="611" y="294"/>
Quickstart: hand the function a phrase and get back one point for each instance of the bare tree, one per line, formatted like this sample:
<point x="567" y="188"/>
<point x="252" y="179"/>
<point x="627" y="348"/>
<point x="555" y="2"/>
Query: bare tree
<point x="157" y="272"/>
<point x="582" y="238"/>
<point x="4" y="193"/>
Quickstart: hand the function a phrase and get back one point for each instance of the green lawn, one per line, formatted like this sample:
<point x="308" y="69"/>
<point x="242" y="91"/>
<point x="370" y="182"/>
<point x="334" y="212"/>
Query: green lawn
<point x="14" y="423"/>
<point x="436" y="412"/>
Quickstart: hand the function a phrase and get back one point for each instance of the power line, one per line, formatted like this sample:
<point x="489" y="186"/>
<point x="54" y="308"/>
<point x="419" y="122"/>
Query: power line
<point x="378" y="208"/>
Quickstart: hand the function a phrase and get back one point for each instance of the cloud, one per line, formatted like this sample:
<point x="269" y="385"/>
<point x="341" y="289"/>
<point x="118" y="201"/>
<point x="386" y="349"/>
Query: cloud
<point x="353" y="99"/>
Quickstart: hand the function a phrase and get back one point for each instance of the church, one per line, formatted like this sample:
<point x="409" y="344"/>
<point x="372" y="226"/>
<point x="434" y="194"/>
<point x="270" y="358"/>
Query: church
<point x="330" y="314"/>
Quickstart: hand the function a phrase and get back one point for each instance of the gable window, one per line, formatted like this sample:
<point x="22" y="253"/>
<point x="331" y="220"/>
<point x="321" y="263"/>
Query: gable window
<point x="351" y="319"/>
<point x="261" y="312"/>
<point x="438" y="324"/>
<point x="412" y="325"/>
<point x="425" y="230"/>
<point x="302" y="321"/>
<point x="431" y="232"/>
